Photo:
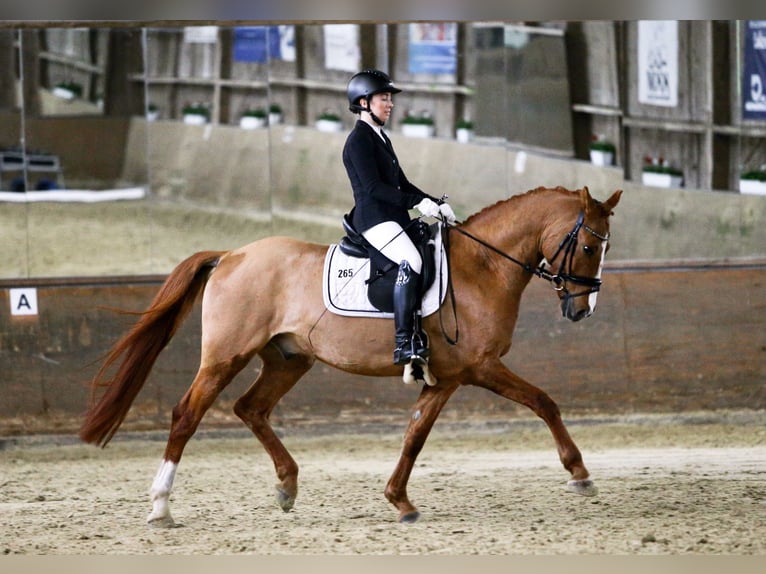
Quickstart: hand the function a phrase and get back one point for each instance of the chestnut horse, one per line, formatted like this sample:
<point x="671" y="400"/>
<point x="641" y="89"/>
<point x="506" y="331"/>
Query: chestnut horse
<point x="265" y="299"/>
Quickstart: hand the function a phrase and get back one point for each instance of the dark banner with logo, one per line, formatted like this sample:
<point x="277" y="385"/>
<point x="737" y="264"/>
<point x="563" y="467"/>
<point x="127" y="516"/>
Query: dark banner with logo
<point x="261" y="43"/>
<point x="754" y="71"/>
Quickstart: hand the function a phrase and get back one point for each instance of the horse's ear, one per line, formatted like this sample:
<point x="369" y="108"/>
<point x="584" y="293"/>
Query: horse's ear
<point x="585" y="199"/>
<point x="612" y="202"/>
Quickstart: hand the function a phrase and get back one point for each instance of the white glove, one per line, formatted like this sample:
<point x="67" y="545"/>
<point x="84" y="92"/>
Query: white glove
<point x="447" y="213"/>
<point x="428" y="207"/>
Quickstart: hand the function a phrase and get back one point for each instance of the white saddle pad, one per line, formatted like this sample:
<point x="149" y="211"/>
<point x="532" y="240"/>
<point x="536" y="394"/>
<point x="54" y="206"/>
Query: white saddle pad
<point x="345" y="291"/>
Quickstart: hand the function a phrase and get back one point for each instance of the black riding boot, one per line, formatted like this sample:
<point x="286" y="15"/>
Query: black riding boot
<point x="410" y="345"/>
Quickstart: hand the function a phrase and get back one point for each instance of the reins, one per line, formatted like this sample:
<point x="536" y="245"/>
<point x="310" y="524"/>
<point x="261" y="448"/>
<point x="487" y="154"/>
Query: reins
<point x="450" y="287"/>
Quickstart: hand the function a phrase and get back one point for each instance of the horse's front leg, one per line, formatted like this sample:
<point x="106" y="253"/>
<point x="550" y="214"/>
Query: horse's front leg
<point x="498" y="379"/>
<point x="424" y="414"/>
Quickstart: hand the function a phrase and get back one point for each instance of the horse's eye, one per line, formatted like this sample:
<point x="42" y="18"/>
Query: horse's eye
<point x="588" y="249"/>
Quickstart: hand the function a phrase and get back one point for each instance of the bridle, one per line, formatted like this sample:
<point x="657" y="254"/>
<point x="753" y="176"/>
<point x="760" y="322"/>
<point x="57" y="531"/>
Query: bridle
<point x="564" y="275"/>
<point x="558" y="280"/>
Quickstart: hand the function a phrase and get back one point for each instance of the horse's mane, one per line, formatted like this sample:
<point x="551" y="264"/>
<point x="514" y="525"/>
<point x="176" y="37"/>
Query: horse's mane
<point x="515" y="198"/>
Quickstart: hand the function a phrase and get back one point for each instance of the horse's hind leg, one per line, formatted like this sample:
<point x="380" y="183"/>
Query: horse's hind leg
<point x="278" y="375"/>
<point x="187" y="414"/>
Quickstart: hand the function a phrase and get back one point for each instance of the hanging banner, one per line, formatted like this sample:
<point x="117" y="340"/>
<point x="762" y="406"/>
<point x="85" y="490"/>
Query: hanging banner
<point x="754" y="71"/>
<point x="341" y="47"/>
<point x="259" y="43"/>
<point x="200" y="34"/>
<point x="287" y="43"/>
<point x="433" y="48"/>
<point x="658" y="62"/>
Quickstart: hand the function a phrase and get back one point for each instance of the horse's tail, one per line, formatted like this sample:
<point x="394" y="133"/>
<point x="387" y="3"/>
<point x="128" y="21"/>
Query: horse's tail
<point x="141" y="346"/>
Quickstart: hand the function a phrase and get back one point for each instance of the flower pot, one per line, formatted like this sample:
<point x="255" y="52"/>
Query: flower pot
<point x="661" y="179"/>
<point x="329" y="125"/>
<point x="752" y="186"/>
<point x="464" y="135"/>
<point x="601" y="157"/>
<point x="152" y="115"/>
<point x="418" y="130"/>
<point x="195" y="119"/>
<point x="251" y="122"/>
<point x="64" y="93"/>
<point x="275" y="118"/>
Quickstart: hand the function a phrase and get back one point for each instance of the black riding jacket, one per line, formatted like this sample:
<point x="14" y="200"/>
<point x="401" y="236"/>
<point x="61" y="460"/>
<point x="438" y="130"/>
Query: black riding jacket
<point x="381" y="190"/>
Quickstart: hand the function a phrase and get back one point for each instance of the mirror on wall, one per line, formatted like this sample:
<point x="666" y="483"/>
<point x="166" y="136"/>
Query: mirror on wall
<point x="13" y="218"/>
<point x="77" y="202"/>
<point x="308" y="73"/>
<point x="184" y="138"/>
<point x="72" y="70"/>
<point x="209" y="174"/>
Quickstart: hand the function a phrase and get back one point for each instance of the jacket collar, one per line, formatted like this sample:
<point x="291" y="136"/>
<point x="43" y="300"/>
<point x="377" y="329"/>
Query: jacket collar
<point x="385" y="141"/>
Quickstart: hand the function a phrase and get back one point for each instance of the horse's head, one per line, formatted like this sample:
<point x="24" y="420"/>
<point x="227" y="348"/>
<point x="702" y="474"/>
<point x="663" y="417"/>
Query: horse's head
<point x="574" y="250"/>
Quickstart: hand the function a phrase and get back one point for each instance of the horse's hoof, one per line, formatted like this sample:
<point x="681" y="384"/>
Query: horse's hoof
<point x="410" y="517"/>
<point x="285" y="500"/>
<point x="582" y="487"/>
<point x="161" y="521"/>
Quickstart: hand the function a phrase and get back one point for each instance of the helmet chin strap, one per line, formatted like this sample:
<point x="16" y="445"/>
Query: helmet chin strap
<point x="375" y="118"/>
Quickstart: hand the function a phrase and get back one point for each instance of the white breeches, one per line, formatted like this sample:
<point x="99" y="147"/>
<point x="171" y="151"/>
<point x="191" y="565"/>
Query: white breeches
<point x="390" y="239"/>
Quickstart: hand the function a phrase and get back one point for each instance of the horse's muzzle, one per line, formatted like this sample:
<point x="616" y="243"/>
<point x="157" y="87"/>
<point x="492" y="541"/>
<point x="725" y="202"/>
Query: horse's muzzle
<point x="570" y="310"/>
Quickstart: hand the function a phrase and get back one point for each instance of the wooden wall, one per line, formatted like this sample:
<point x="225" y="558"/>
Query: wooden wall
<point x="661" y="340"/>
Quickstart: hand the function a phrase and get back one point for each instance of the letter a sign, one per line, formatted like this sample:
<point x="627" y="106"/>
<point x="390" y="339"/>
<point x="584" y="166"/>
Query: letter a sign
<point x="24" y="301"/>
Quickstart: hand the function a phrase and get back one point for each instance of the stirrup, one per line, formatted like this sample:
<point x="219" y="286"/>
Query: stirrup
<point x="415" y="350"/>
<point x="420" y="346"/>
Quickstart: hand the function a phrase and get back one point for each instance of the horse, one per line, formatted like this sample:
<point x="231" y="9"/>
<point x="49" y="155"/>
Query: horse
<point x="265" y="299"/>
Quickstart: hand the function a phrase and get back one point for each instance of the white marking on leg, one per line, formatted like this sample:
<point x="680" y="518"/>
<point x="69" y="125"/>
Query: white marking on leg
<point x="428" y="377"/>
<point x="593" y="297"/>
<point x="407" y="377"/>
<point x="160" y="494"/>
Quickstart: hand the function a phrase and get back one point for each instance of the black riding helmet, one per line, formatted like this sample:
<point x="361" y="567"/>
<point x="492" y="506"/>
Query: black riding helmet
<point x="365" y="84"/>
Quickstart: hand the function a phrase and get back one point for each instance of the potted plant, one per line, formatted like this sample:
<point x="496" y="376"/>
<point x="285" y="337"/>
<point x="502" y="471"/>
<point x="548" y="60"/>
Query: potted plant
<point x="657" y="172"/>
<point x="418" y="125"/>
<point x="275" y="114"/>
<point x="601" y="151"/>
<point x="253" y="118"/>
<point x="464" y="130"/>
<point x="753" y="181"/>
<point x="67" y="90"/>
<point x="196" y="114"/>
<point x="329" y="121"/>
<point x="152" y="112"/>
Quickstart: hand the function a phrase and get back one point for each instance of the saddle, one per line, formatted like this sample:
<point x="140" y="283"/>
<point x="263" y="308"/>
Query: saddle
<point x="383" y="271"/>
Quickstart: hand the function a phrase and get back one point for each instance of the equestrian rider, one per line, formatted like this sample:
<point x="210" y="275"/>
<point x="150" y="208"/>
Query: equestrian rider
<point x="383" y="197"/>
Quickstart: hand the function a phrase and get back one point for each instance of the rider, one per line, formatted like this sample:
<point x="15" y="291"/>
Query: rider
<point x="382" y="197"/>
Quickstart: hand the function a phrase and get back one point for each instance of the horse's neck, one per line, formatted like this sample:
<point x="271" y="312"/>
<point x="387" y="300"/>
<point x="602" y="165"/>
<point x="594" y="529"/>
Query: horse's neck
<point x="513" y="226"/>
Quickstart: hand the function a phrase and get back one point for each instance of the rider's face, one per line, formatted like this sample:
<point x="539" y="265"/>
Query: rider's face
<point x="381" y="105"/>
